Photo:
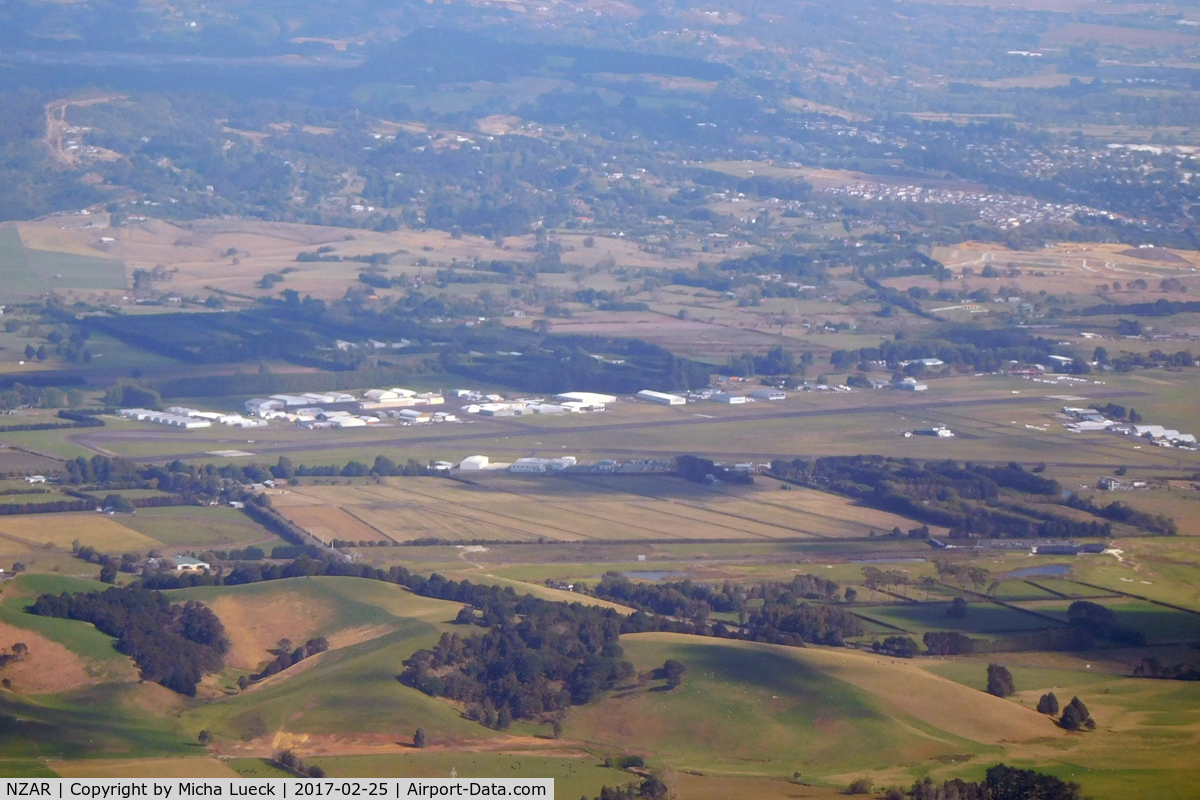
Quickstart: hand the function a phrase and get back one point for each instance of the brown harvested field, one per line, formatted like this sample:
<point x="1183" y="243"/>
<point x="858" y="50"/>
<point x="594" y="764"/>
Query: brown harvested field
<point x="330" y="522"/>
<point x="144" y="768"/>
<point x="49" y="668"/>
<point x="12" y="460"/>
<point x="255" y="622"/>
<point x="103" y="533"/>
<point x="505" y="507"/>
<point x="684" y="336"/>
<point x="1114" y="34"/>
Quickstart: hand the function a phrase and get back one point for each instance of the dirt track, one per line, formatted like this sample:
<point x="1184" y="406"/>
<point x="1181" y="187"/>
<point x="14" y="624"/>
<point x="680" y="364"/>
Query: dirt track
<point x="56" y="120"/>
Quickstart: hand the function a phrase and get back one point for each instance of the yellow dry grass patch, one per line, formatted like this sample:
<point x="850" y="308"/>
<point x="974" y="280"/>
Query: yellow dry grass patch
<point x="49" y="668"/>
<point x="41" y="237"/>
<point x="256" y="623"/>
<point x="103" y="533"/>
<point x="144" y="768"/>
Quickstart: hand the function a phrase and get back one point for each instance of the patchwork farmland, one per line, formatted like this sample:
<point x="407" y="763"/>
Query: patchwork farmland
<point x="630" y="507"/>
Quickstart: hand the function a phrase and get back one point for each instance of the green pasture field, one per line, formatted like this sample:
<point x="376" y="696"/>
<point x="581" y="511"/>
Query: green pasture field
<point x="1161" y="625"/>
<point x="16" y="273"/>
<point x="68" y="270"/>
<point x="756" y="711"/>
<point x="981" y="618"/>
<point x="101" y="721"/>
<point x="200" y="526"/>
<point x="26" y="272"/>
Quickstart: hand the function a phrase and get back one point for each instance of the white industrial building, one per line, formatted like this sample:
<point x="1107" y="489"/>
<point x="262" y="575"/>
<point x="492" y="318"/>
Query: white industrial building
<point x="164" y="418"/>
<point x="597" y="401"/>
<point x="767" y="393"/>
<point x="911" y="385"/>
<point x="1156" y="433"/>
<point x="260" y="405"/>
<point x="729" y="399"/>
<point x="474" y="462"/>
<point x="539" y="465"/>
<point x="662" y="398"/>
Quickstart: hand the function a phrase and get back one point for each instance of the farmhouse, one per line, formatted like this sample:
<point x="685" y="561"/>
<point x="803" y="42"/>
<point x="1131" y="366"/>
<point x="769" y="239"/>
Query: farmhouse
<point x="183" y="564"/>
<point x="661" y="398"/>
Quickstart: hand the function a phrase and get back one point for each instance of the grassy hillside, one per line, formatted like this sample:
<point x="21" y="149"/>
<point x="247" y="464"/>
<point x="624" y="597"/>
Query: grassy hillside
<point x="764" y="710"/>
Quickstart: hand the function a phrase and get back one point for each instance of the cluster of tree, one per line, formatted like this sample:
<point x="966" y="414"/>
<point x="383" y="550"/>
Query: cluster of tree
<point x="109" y="564"/>
<point x="18" y="652"/>
<point x="250" y="553"/>
<point x="1159" y="308"/>
<point x="948" y="643"/>
<point x="56" y="506"/>
<point x="1101" y="622"/>
<point x="966" y="498"/>
<point x="682" y="599"/>
<point x="289" y="761"/>
<point x="672" y="672"/>
<point x="1076" y="717"/>
<point x="776" y="362"/>
<point x="536" y="659"/>
<point x="341" y="543"/>
<point x="174" y="644"/>
<point x="130" y="395"/>
<point x="703" y="470"/>
<point x="1000" y="681"/>
<point x="382" y="466"/>
<point x="651" y="788"/>
<point x="1120" y="512"/>
<point x="1153" y="668"/>
<point x="787" y="613"/>
<point x="900" y="646"/>
<point x="286" y="656"/>
<point x="787" y="620"/>
<point x="1000" y="783"/>
<point x="242" y="573"/>
<point x="963" y="348"/>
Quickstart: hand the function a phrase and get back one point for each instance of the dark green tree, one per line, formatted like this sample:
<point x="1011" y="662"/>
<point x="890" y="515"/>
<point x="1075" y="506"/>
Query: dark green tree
<point x="1075" y="716"/>
<point x="999" y="681"/>
<point x="957" y="609"/>
<point x="1048" y="704"/>
<point x="419" y="739"/>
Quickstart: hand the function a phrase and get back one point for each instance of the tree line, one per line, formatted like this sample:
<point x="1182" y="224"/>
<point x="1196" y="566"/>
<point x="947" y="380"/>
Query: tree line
<point x="966" y="498"/>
